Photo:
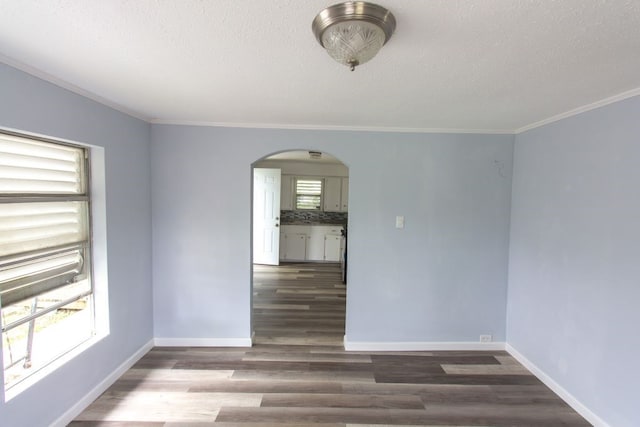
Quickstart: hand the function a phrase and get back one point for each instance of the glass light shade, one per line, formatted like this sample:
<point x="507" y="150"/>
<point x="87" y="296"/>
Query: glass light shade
<point x="353" y="32"/>
<point x="353" y="42"/>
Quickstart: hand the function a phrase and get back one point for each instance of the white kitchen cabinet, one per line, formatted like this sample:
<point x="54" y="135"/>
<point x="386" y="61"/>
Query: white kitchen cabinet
<point x="315" y="248"/>
<point x="319" y="237"/>
<point x="332" y="197"/>
<point x="344" y="195"/>
<point x="286" y="193"/>
<point x="295" y="247"/>
<point x="283" y="245"/>
<point x="332" y="246"/>
<point x="293" y="242"/>
<point x="314" y="243"/>
<point x="332" y="229"/>
<point x="299" y="229"/>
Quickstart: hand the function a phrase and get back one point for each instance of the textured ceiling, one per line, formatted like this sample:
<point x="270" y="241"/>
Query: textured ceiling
<point x="492" y="65"/>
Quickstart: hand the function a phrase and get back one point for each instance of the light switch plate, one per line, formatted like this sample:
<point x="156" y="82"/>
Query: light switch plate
<point x="400" y="221"/>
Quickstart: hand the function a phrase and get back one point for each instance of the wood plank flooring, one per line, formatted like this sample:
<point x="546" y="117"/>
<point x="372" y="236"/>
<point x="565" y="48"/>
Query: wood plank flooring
<point x="297" y="373"/>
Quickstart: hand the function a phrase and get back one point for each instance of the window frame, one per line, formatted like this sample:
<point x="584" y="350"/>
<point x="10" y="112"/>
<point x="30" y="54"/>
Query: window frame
<point x="84" y="248"/>
<point x="296" y="194"/>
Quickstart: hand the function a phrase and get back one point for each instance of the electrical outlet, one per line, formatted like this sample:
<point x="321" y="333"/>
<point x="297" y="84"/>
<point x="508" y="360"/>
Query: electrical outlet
<point x="485" y="338"/>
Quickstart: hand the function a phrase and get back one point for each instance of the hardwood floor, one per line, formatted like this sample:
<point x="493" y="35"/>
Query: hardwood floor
<point x="297" y="373"/>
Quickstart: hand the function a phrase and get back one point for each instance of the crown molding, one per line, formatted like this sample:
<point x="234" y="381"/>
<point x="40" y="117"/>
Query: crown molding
<point x="329" y="127"/>
<point x="610" y="100"/>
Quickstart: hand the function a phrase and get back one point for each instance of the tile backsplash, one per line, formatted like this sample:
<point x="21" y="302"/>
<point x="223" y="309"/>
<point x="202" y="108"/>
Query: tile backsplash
<point x="312" y="217"/>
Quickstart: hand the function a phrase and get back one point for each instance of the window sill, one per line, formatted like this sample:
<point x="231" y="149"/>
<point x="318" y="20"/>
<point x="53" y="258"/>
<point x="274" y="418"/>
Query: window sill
<point x="16" y="389"/>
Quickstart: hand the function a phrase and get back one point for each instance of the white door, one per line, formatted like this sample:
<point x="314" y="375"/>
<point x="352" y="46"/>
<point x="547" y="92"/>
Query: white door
<point x="266" y="216"/>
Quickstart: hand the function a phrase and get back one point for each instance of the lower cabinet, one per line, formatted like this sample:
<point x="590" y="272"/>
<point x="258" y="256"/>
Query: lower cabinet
<point x="315" y="243"/>
<point x="332" y="246"/>
<point x="293" y="247"/>
<point x="310" y="243"/>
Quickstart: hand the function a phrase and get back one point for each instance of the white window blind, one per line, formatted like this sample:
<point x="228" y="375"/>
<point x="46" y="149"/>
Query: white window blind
<point x="35" y="167"/>
<point x="308" y="194"/>
<point x="44" y="220"/>
<point x="31" y="226"/>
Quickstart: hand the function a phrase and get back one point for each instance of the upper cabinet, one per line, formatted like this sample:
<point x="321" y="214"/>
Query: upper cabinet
<point x="332" y="197"/>
<point x="286" y="193"/>
<point x="335" y="193"/>
<point x="344" y="200"/>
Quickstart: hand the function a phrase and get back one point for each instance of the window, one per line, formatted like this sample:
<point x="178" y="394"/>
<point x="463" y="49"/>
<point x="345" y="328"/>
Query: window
<point x="308" y="194"/>
<point x="46" y="290"/>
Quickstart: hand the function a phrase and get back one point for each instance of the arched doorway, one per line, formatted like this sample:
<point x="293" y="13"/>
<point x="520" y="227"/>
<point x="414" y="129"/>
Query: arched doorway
<point x="299" y="245"/>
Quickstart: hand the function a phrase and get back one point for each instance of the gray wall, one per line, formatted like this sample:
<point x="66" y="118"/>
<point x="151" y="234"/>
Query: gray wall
<point x="574" y="276"/>
<point x="32" y="105"/>
<point x="441" y="278"/>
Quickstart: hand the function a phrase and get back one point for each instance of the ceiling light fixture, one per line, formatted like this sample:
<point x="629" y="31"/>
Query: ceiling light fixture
<point x="353" y="32"/>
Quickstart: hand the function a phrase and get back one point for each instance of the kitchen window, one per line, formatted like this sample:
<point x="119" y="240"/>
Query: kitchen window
<point x="308" y="194"/>
<point x="46" y="290"/>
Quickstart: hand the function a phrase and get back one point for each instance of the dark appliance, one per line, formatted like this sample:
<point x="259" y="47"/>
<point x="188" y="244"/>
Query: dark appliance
<point x="344" y="255"/>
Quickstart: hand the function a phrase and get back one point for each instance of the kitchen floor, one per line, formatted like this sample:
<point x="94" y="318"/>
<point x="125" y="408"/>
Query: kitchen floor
<point x="297" y="373"/>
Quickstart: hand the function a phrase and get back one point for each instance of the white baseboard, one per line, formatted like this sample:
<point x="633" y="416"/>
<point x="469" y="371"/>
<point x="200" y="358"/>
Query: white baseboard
<point x="203" y="342"/>
<point x="420" y="345"/>
<point x="80" y="406"/>
<point x="557" y="388"/>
